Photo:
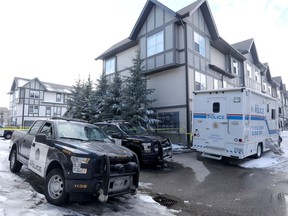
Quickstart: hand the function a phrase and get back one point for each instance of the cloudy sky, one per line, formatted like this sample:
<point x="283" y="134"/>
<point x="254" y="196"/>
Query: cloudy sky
<point x="58" y="40"/>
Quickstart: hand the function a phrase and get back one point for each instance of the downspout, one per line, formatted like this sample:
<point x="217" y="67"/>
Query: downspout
<point x="188" y="114"/>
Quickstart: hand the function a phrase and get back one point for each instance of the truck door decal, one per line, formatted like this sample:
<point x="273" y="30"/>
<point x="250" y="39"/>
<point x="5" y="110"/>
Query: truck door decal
<point x="38" y="158"/>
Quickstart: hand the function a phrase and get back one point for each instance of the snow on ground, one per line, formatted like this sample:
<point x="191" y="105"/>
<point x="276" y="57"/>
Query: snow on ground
<point x="270" y="160"/>
<point x="18" y="198"/>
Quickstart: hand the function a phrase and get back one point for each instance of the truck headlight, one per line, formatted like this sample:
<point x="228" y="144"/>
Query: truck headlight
<point x="147" y="147"/>
<point x="77" y="161"/>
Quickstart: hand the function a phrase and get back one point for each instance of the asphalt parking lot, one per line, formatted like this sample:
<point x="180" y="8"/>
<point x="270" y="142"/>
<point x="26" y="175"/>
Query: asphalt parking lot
<point x="188" y="186"/>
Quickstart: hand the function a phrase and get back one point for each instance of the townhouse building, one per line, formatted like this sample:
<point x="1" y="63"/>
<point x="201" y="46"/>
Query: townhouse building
<point x="31" y="99"/>
<point x="182" y="52"/>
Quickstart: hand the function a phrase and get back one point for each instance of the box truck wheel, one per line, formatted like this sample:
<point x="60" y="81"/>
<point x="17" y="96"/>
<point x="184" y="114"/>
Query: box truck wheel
<point x="259" y="151"/>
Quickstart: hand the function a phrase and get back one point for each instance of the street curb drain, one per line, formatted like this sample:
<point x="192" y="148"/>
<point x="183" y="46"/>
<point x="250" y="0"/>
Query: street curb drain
<point x="164" y="201"/>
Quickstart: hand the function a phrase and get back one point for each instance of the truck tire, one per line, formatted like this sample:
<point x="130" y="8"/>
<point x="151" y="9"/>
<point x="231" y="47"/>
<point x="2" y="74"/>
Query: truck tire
<point x="54" y="188"/>
<point x="7" y="136"/>
<point x="259" y="151"/>
<point x="15" y="165"/>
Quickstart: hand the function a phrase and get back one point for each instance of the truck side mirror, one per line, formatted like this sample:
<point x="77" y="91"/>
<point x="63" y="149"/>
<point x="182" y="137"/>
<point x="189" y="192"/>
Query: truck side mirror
<point x="42" y="138"/>
<point x="117" y="136"/>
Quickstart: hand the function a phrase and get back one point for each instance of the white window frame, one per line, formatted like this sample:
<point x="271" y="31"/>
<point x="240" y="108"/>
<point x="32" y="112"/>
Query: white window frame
<point x="58" y="97"/>
<point x="249" y="70"/>
<point x="199" y="44"/>
<point x="48" y="111"/>
<point x="155" y="44"/>
<point x="33" y="109"/>
<point x="264" y="86"/>
<point x="34" y="94"/>
<point x="201" y="79"/>
<point x="225" y="85"/>
<point x="236" y="67"/>
<point x="269" y="89"/>
<point x="110" y="65"/>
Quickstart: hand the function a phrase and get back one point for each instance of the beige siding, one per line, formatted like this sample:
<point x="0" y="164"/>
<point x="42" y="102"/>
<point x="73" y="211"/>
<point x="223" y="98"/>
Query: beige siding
<point x="169" y="87"/>
<point x="124" y="59"/>
<point x="217" y="58"/>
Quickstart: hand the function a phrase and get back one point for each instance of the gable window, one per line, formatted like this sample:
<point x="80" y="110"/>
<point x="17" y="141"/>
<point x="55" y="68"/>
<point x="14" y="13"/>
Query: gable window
<point x="110" y="66"/>
<point x="58" y="97"/>
<point x="200" y="81"/>
<point x="269" y="89"/>
<point x="249" y="70"/>
<point x="199" y="44"/>
<point x="33" y="109"/>
<point x="236" y="67"/>
<point x="34" y="94"/>
<point x="257" y="76"/>
<point x="155" y="44"/>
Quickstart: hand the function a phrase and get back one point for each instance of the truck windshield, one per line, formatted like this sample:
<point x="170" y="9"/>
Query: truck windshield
<point x="80" y="132"/>
<point x="133" y="129"/>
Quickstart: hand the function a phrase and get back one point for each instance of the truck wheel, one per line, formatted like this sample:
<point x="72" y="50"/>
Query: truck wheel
<point x="259" y="151"/>
<point x="54" y="188"/>
<point x="8" y="136"/>
<point x="15" y="165"/>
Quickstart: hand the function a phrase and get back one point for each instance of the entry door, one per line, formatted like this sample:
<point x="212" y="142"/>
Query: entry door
<point x="217" y="123"/>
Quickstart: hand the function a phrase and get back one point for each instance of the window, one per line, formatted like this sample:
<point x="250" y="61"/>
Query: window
<point x="36" y="126"/>
<point x="34" y="94"/>
<point x="48" y="111"/>
<point x="273" y="113"/>
<point x="110" y="65"/>
<point x="199" y="44"/>
<point x="169" y="120"/>
<point x="236" y="67"/>
<point x="257" y="76"/>
<point x="47" y="129"/>
<point x="216" y="84"/>
<point x="269" y="89"/>
<point x="155" y="44"/>
<point x="225" y="84"/>
<point x="33" y="109"/>
<point x="200" y="81"/>
<point x="249" y="71"/>
<point x="58" y="97"/>
<point x="264" y="87"/>
<point x="216" y="107"/>
<point x="57" y="111"/>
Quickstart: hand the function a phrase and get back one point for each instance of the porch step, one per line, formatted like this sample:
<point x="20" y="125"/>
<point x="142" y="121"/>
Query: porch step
<point x="275" y="148"/>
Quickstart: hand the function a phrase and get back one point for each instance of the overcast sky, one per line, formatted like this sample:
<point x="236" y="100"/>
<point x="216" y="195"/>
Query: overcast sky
<point x="58" y="40"/>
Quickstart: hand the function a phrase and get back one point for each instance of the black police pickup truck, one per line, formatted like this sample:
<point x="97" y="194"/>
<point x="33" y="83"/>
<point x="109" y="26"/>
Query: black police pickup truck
<point x="76" y="159"/>
<point x="150" y="148"/>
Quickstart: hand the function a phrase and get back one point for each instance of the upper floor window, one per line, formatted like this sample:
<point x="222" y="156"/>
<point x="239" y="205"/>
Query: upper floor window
<point x="269" y="89"/>
<point x="48" y="111"/>
<point x="249" y="70"/>
<point x="257" y="76"/>
<point x="200" y="81"/>
<point x="34" y="94"/>
<point x="58" y="97"/>
<point x="155" y="44"/>
<point x="225" y="85"/>
<point x="264" y="86"/>
<point x="236" y="67"/>
<point x="110" y="65"/>
<point x="216" y="84"/>
<point x="199" y="44"/>
<point x="33" y="109"/>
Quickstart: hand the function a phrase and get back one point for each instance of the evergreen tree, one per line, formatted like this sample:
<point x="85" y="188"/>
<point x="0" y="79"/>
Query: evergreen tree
<point x="76" y="101"/>
<point x="88" y="100"/>
<point x="113" y="103"/>
<point x="136" y="95"/>
<point x="100" y="97"/>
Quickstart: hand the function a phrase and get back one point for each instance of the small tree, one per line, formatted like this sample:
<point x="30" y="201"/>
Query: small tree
<point x="113" y="104"/>
<point x="136" y="95"/>
<point x="76" y="101"/>
<point x="100" y="97"/>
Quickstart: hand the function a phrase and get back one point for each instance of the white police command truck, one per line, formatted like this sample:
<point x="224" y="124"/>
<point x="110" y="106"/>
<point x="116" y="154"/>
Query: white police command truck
<point x="235" y="123"/>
